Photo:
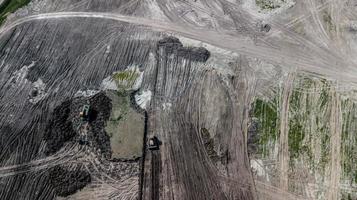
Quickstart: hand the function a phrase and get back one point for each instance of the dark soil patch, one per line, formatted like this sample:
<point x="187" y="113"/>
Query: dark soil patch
<point x="101" y="106"/>
<point x="65" y="120"/>
<point x="173" y="45"/>
<point x="59" y="130"/>
<point x="66" y="182"/>
<point x="209" y="145"/>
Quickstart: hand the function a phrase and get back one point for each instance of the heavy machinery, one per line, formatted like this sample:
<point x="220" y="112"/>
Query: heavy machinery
<point x="84" y="114"/>
<point x="84" y="124"/>
<point x="153" y="143"/>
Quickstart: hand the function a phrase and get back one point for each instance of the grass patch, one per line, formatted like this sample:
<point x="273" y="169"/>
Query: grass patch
<point x="309" y="118"/>
<point x="268" y="4"/>
<point x="125" y="127"/>
<point x="349" y="140"/>
<point x="296" y="133"/>
<point x="296" y="136"/>
<point x="125" y="79"/>
<point x="266" y="113"/>
<point x="347" y="196"/>
<point x="325" y="150"/>
<point x="10" y="6"/>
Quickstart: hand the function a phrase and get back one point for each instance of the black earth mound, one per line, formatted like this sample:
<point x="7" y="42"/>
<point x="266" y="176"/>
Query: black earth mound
<point x="65" y="118"/>
<point x="60" y="129"/>
<point x="173" y="45"/>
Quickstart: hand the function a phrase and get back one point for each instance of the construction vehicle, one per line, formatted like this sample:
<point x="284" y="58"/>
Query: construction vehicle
<point x="84" y="124"/>
<point x="84" y="114"/>
<point x="154" y="143"/>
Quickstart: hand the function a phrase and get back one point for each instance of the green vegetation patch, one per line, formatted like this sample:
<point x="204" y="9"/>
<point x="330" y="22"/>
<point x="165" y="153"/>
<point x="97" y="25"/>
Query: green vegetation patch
<point x="268" y="4"/>
<point x="323" y="124"/>
<point x="125" y="79"/>
<point x="297" y="116"/>
<point x="10" y="6"/>
<point x="296" y="136"/>
<point x="267" y="116"/>
<point x="309" y="117"/>
<point x="349" y="140"/>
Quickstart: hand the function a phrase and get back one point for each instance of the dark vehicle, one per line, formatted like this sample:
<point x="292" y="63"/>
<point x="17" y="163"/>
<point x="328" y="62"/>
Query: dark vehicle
<point x="84" y="114"/>
<point x="154" y="143"/>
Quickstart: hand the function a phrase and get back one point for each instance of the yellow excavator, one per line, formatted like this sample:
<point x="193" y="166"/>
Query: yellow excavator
<point x="84" y="114"/>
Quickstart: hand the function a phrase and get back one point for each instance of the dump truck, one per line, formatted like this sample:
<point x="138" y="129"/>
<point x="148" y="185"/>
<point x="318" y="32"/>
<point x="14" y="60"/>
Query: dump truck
<point x="153" y="143"/>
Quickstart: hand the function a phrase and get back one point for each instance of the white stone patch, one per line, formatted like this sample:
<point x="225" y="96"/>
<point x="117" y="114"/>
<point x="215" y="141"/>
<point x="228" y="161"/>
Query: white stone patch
<point x="38" y="92"/>
<point x="19" y="76"/>
<point x="138" y="80"/>
<point x="258" y="168"/>
<point x="143" y="98"/>
<point x="108" y="84"/>
<point x="107" y="50"/>
<point x="166" y="106"/>
<point x="86" y="93"/>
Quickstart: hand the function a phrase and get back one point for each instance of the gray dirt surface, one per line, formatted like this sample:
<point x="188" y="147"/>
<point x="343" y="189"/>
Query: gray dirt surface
<point x="204" y="63"/>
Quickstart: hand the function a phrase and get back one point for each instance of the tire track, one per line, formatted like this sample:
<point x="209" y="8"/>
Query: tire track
<point x="284" y="132"/>
<point x="323" y="62"/>
<point x="333" y="191"/>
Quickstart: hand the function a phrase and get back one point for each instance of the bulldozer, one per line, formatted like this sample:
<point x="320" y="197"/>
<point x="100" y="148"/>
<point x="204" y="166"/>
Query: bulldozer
<point x="154" y="143"/>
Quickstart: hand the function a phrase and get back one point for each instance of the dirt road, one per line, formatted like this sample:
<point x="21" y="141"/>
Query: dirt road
<point x="336" y="131"/>
<point x="320" y="62"/>
<point x="284" y="132"/>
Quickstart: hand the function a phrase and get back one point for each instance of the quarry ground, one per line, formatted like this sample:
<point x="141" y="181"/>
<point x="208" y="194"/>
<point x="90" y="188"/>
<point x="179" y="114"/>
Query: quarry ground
<point x="249" y="99"/>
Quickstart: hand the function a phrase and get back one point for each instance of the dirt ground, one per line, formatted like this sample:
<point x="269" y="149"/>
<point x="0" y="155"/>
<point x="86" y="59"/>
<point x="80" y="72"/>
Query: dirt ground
<point x="232" y="52"/>
<point x="125" y="127"/>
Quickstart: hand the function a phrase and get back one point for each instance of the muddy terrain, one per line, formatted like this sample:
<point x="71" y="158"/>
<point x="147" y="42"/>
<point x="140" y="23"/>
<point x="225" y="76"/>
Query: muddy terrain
<point x="178" y="99"/>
